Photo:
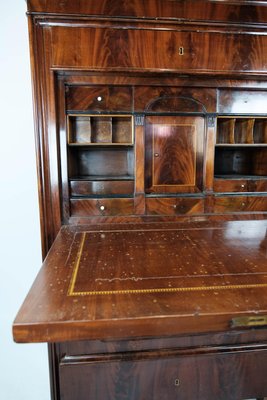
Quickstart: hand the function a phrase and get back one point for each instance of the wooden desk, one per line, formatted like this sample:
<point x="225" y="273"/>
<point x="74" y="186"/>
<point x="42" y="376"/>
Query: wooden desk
<point x="117" y="286"/>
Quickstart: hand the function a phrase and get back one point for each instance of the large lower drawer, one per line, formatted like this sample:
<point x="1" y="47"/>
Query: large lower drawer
<point x="174" y="206"/>
<point x="92" y="207"/>
<point x="225" y="375"/>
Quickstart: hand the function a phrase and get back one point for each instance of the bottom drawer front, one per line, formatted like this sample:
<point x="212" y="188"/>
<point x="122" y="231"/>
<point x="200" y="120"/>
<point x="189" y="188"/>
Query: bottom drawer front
<point x="224" y="376"/>
<point x="174" y="206"/>
<point x="86" y="208"/>
<point x="240" y="203"/>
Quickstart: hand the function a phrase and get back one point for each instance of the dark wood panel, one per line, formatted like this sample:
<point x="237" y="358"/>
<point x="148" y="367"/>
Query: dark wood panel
<point x="174" y="154"/>
<point x="121" y="49"/>
<point x="240" y="203"/>
<point x="100" y="187"/>
<point x="166" y="375"/>
<point x="174" y="99"/>
<point x="227" y="11"/>
<point x="98" y="98"/>
<point x="174" y="206"/>
<point x="240" y="185"/>
<point x="86" y="207"/>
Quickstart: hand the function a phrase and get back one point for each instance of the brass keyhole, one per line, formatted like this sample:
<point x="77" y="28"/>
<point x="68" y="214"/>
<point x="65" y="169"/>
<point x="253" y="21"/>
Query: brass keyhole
<point x="177" y="382"/>
<point x="181" y="51"/>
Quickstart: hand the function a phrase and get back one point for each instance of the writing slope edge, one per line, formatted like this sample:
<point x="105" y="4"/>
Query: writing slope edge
<point x="128" y="281"/>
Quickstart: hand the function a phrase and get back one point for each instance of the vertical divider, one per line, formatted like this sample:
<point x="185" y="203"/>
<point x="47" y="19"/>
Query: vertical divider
<point x="139" y="195"/>
<point x="209" y="156"/>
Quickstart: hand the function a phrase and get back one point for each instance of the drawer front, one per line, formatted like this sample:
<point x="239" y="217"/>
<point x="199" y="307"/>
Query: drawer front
<point x="240" y="203"/>
<point x="224" y="185"/>
<point x="145" y="49"/>
<point x="87" y="188"/>
<point x="231" y="376"/>
<point x="91" y="207"/>
<point x="98" y="98"/>
<point x="240" y="185"/>
<point x="174" y="206"/>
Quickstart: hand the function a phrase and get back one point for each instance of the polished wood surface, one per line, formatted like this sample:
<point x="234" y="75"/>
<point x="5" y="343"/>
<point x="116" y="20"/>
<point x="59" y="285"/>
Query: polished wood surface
<point x="108" y="77"/>
<point x="115" y="281"/>
<point x="203" y="10"/>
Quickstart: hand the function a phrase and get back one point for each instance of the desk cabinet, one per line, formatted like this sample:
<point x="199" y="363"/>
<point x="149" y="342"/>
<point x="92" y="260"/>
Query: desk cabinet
<point x="151" y="142"/>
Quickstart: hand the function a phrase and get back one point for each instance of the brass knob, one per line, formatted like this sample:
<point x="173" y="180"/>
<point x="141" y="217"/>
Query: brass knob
<point x="99" y="98"/>
<point x="156" y="155"/>
<point x="242" y="186"/>
<point x="102" y="208"/>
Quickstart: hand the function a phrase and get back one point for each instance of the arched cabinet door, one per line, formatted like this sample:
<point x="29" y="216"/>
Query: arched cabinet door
<point x="174" y="154"/>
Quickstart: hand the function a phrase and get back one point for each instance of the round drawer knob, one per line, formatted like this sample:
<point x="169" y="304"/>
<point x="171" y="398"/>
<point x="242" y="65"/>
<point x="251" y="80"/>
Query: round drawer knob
<point x="99" y="98"/>
<point x="156" y="155"/>
<point x="243" y="204"/>
<point x="102" y="208"/>
<point x="242" y="186"/>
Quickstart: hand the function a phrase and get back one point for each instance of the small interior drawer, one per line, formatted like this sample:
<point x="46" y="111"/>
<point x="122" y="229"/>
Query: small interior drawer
<point x="173" y="206"/>
<point x="91" y="207"/>
<point x="240" y="185"/>
<point x="100" y="187"/>
<point x="240" y="203"/>
<point x="99" y="98"/>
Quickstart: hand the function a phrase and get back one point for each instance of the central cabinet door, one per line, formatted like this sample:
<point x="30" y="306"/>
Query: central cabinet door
<point x="174" y="154"/>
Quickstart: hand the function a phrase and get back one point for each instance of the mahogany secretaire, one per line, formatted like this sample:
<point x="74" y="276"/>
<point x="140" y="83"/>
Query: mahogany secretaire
<point x="151" y="142"/>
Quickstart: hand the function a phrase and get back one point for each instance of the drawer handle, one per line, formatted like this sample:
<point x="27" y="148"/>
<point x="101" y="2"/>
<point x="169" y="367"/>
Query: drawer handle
<point x="99" y="98"/>
<point x="102" y="208"/>
<point x="242" y="186"/>
<point x="177" y="382"/>
<point x="156" y="155"/>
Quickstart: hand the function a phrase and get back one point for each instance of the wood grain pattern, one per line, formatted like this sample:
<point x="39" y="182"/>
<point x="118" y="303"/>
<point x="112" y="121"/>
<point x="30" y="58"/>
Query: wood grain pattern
<point x="226" y="11"/>
<point x="165" y="376"/>
<point x="120" y="281"/>
<point x="174" y="154"/>
<point x="119" y="49"/>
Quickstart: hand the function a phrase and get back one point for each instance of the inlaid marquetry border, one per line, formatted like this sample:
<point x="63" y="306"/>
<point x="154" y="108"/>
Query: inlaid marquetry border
<point x="72" y="292"/>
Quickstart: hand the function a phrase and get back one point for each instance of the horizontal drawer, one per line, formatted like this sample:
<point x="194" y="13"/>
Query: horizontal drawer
<point x="240" y="203"/>
<point x="98" y="187"/>
<point x="242" y="375"/>
<point x="174" y="206"/>
<point x="171" y="99"/>
<point x="240" y="185"/>
<point x="99" y="98"/>
<point x="91" y="207"/>
<point x="118" y="48"/>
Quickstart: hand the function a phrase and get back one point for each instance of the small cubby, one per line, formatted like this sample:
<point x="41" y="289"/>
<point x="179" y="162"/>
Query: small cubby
<point x="234" y="162"/>
<point x="100" y="129"/>
<point x="100" y="155"/>
<point x="241" y="131"/>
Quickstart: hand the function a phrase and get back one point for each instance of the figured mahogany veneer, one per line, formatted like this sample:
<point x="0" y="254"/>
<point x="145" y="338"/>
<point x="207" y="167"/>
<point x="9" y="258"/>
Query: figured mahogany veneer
<point x="151" y="122"/>
<point x="113" y="281"/>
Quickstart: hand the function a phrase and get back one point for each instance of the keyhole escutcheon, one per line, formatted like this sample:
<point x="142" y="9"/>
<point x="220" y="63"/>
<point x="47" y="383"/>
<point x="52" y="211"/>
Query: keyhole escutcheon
<point x="181" y="51"/>
<point x="177" y="382"/>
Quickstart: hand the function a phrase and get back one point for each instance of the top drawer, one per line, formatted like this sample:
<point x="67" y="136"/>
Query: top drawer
<point x="151" y="49"/>
<point x="99" y="98"/>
